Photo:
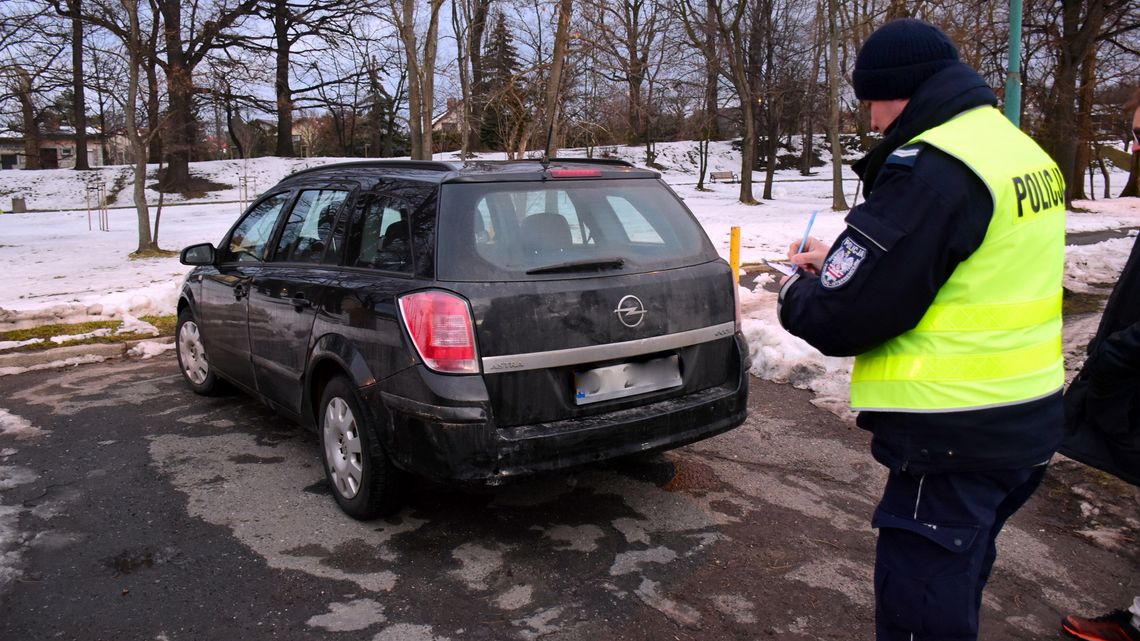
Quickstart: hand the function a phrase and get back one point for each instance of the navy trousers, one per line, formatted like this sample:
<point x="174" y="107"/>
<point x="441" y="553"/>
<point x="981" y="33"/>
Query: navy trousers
<point x="936" y="549"/>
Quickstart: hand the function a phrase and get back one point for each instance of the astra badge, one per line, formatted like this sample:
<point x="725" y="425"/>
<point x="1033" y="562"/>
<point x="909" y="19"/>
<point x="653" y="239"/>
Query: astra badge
<point x="840" y="266"/>
<point x="630" y="311"/>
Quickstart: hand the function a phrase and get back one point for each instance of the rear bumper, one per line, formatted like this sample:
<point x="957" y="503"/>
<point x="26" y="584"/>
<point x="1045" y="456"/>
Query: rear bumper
<point x="449" y="443"/>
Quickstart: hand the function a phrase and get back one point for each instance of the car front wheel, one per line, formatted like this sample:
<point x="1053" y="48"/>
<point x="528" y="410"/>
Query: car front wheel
<point x="364" y="481"/>
<point x="192" y="358"/>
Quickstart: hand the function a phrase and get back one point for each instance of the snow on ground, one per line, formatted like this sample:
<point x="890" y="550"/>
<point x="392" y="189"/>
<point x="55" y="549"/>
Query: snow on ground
<point x="57" y="269"/>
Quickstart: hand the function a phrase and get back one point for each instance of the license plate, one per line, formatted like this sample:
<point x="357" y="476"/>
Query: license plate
<point x="626" y="379"/>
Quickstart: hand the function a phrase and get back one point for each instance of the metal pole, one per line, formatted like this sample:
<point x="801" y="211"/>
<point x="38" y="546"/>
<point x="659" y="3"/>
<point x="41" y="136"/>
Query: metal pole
<point x="1013" y="77"/>
<point x="734" y="253"/>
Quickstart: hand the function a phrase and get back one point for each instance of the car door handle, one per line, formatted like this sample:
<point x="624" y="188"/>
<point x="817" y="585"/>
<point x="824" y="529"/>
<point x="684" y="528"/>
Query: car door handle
<point x="300" y="302"/>
<point x="240" y="292"/>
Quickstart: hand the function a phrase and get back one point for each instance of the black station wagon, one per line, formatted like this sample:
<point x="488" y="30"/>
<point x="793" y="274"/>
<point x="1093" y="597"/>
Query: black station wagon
<point x="469" y="321"/>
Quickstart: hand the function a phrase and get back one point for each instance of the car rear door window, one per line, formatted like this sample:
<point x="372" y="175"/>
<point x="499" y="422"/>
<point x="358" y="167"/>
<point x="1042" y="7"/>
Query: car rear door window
<point x="380" y="238"/>
<point x="250" y="239"/>
<point x="309" y="226"/>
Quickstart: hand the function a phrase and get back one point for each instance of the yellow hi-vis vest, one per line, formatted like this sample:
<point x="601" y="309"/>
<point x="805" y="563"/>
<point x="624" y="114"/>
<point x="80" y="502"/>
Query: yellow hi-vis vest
<point x="992" y="336"/>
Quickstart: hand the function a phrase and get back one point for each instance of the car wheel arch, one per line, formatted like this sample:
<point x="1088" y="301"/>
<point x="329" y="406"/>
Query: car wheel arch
<point x="332" y="355"/>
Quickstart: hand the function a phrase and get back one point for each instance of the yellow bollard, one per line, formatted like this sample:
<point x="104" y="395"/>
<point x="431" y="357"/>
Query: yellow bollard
<point x="734" y="255"/>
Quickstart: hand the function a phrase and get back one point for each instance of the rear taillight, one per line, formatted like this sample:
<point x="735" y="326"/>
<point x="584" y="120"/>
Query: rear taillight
<point x="442" y="330"/>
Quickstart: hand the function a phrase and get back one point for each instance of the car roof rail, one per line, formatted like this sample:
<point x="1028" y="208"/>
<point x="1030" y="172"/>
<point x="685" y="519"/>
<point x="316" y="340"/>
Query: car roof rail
<point x="429" y="165"/>
<point x="595" y="161"/>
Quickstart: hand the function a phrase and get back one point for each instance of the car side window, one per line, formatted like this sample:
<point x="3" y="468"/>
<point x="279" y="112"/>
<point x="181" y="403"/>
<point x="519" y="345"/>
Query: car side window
<point x="309" y="226"/>
<point x="250" y="239"/>
<point x="381" y="237"/>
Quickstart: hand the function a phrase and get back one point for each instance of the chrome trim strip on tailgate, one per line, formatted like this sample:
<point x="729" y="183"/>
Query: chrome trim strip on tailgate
<point x="575" y="355"/>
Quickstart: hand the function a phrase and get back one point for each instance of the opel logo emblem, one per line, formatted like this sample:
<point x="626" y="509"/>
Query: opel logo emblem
<point x="630" y="311"/>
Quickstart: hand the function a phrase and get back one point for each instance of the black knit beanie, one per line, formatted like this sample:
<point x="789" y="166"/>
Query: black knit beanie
<point x="899" y="57"/>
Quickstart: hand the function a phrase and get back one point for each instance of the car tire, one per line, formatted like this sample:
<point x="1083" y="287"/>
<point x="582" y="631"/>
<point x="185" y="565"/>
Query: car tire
<point x="192" y="358"/>
<point x="363" y="480"/>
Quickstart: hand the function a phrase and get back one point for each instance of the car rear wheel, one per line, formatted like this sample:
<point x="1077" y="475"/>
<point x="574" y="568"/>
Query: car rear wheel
<point x="364" y="481"/>
<point x="192" y="358"/>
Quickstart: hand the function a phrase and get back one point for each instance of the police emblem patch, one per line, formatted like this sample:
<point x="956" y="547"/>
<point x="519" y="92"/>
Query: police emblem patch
<point x="840" y="266"/>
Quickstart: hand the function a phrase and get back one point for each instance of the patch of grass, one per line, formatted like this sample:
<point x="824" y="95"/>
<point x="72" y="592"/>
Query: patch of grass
<point x="93" y="340"/>
<point x="1082" y="303"/>
<point x="60" y="329"/>
<point x="164" y="324"/>
<point x="153" y="253"/>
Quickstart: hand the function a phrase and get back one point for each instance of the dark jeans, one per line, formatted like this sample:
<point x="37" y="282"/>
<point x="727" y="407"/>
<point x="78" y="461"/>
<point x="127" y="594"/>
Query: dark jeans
<point x="936" y="549"/>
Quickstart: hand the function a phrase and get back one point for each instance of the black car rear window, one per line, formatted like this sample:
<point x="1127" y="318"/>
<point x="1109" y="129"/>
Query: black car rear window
<point x="558" y="228"/>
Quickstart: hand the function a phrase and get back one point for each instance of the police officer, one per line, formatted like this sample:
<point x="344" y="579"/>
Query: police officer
<point x="946" y="287"/>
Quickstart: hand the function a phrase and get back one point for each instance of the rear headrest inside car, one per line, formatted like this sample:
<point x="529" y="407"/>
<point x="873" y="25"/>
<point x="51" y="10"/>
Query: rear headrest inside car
<point x="543" y="233"/>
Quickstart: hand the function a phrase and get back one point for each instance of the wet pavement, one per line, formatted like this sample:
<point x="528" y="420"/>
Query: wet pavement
<point x="132" y="509"/>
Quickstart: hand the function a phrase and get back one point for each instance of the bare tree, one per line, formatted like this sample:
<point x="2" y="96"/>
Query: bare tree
<point x="554" y="84"/>
<point x="421" y="43"/>
<point x="838" y="199"/>
<point x="305" y="31"/>
<point x="192" y="30"/>
<point x="719" y="31"/>
<point x="74" y="12"/>
<point x="469" y="23"/>
<point x="1082" y="24"/>
<point x="30" y="44"/>
<point x="624" y="36"/>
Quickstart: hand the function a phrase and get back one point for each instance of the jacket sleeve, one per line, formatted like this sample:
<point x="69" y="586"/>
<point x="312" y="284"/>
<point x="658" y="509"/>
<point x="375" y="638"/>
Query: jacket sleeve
<point x="927" y="213"/>
<point x="1117" y="360"/>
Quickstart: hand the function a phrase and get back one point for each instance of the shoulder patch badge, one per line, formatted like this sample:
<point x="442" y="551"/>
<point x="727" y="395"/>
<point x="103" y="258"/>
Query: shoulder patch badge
<point x="840" y="266"/>
<point x="905" y="156"/>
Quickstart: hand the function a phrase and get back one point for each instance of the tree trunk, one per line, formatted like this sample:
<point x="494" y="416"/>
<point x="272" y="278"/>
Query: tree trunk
<point x="281" y="82"/>
<point x="712" y="79"/>
<point x="838" y="199"/>
<point x="1084" y="122"/>
<point x="1061" y="130"/>
<point x="153" y="102"/>
<point x="180" y="89"/>
<point x="142" y="212"/>
<point x="407" y="29"/>
<point x="554" y="85"/>
<point x="80" y="113"/>
<point x="807" y="148"/>
<point x="32" y="158"/>
<point x="462" y="46"/>
<point x="153" y="112"/>
<point x="427" y="79"/>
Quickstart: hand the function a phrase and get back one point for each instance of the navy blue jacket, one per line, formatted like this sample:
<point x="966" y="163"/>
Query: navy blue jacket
<point x="1102" y="405"/>
<point x="925" y="212"/>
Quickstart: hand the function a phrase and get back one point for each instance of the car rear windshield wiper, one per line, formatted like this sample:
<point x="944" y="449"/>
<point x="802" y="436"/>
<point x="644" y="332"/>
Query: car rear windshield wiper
<point x="579" y="265"/>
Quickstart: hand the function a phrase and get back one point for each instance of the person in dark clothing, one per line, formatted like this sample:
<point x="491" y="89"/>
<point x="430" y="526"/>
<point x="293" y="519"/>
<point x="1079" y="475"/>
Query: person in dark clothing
<point x="946" y="286"/>
<point x="1102" y="411"/>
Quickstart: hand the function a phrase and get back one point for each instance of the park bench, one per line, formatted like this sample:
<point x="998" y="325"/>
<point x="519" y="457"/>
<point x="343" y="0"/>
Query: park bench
<point x="726" y="176"/>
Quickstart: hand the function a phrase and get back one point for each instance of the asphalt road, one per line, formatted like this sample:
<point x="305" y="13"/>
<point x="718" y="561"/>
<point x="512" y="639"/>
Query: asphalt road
<point x="132" y="509"/>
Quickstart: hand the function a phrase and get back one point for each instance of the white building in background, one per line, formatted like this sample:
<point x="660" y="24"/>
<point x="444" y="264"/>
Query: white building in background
<point x="57" y="149"/>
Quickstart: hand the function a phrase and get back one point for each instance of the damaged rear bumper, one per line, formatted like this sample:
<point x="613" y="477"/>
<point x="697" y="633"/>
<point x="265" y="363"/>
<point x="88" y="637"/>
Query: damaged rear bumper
<point x="462" y="443"/>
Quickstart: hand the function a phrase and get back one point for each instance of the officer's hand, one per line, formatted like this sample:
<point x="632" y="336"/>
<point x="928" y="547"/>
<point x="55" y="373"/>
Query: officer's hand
<point x="812" y="257"/>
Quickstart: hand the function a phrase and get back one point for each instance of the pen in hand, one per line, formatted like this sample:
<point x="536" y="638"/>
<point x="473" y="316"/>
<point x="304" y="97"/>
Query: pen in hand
<point x="811" y="221"/>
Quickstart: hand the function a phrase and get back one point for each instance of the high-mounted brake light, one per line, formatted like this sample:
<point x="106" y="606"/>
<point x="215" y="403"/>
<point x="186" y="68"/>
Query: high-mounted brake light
<point x="441" y="328"/>
<point x="575" y="173"/>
